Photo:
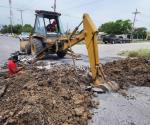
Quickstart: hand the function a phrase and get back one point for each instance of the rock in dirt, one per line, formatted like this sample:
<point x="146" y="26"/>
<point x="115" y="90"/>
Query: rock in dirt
<point x="2" y="90"/>
<point x="79" y="111"/>
<point x="46" y="97"/>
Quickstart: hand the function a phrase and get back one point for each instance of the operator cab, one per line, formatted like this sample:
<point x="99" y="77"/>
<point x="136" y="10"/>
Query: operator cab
<point x="47" y="24"/>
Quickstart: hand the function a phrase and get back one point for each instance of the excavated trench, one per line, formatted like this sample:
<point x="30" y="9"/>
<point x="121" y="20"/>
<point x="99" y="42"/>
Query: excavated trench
<point x="57" y="96"/>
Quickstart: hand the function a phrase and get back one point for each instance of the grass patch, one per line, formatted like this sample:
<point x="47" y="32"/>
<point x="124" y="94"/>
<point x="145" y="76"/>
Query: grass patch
<point x="137" y="53"/>
<point x="141" y="41"/>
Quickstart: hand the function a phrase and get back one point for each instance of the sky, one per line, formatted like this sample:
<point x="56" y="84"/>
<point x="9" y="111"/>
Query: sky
<point x="72" y="11"/>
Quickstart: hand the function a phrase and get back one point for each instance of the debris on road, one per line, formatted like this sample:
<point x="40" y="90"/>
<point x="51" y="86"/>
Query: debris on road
<point x="129" y="72"/>
<point x="41" y="96"/>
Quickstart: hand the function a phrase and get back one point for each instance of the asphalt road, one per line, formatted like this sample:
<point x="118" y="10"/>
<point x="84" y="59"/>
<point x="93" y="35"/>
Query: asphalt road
<point x="7" y="45"/>
<point x="107" y="53"/>
<point x="114" y="109"/>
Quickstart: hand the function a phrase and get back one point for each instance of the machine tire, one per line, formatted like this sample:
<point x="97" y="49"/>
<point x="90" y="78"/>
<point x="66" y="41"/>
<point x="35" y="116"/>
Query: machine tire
<point x="28" y="49"/>
<point x="113" y="42"/>
<point x="36" y="46"/>
<point x="105" y="42"/>
<point x="61" y="54"/>
<point x="21" y="49"/>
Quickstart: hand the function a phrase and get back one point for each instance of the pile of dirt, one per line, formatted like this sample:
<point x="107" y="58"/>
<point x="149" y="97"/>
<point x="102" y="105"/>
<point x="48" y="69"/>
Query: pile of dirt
<point x="46" y="97"/>
<point x="57" y="96"/>
<point x="129" y="72"/>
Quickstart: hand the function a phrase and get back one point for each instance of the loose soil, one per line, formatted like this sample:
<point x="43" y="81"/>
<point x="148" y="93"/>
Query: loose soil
<point x="46" y="97"/>
<point x="129" y="72"/>
<point x="57" y="96"/>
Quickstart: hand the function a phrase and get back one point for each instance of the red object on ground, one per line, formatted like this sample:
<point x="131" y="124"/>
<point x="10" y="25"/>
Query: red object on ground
<point x="12" y="67"/>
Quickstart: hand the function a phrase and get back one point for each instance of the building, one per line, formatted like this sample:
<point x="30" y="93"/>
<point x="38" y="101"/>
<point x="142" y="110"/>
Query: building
<point x="100" y="35"/>
<point x="148" y="36"/>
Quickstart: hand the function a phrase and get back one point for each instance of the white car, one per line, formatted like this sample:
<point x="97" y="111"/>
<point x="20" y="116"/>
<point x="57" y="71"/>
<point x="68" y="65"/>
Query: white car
<point x="24" y="36"/>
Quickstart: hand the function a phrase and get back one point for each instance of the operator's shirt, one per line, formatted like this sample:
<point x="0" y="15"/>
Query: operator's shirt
<point x="12" y="67"/>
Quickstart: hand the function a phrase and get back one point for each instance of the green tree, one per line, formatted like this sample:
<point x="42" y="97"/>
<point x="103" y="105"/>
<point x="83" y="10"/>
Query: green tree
<point x="140" y="33"/>
<point x="4" y="29"/>
<point x="117" y="27"/>
<point x="17" y="29"/>
<point x="27" y="28"/>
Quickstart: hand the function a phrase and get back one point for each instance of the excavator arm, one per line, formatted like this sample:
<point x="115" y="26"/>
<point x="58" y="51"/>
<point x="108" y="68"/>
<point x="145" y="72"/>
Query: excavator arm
<point x="89" y="35"/>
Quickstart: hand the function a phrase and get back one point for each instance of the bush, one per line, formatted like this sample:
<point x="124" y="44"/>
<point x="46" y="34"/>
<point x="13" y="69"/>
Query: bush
<point x="17" y="29"/>
<point x="137" y="53"/>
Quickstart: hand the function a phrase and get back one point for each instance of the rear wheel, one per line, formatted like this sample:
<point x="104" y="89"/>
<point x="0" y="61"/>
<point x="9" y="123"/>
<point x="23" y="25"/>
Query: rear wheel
<point x="61" y="54"/>
<point x="21" y="49"/>
<point x="36" y="46"/>
<point x="104" y="41"/>
<point x="113" y="42"/>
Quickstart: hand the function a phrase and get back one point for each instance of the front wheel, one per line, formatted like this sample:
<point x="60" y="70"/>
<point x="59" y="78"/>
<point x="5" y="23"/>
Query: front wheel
<point x="28" y="49"/>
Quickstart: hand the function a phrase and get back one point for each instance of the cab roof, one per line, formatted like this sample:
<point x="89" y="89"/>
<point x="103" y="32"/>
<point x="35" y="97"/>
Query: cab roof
<point x="47" y="13"/>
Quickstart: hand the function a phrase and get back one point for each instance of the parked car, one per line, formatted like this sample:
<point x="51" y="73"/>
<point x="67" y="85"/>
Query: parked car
<point x="24" y="36"/>
<point x="110" y="39"/>
<point x="113" y="39"/>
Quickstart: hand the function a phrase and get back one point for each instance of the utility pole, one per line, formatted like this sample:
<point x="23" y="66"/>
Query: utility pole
<point x="54" y="5"/>
<point x="133" y="24"/>
<point x="21" y="14"/>
<point x="10" y="16"/>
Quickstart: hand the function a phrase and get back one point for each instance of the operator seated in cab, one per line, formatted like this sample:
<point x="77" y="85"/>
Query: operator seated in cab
<point x="52" y="27"/>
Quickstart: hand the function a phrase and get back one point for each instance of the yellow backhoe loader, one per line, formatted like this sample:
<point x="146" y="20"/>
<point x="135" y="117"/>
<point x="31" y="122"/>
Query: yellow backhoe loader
<point x="48" y="37"/>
